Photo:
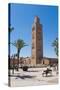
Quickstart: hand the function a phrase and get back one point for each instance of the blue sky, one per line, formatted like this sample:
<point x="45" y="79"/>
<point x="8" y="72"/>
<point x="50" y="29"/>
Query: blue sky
<point x="22" y="17"/>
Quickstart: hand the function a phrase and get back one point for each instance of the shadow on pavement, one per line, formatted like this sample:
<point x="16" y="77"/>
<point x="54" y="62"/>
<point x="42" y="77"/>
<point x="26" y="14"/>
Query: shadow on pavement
<point x="22" y="77"/>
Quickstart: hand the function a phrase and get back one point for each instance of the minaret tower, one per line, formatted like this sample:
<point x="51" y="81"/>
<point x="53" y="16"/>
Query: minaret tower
<point x="37" y="42"/>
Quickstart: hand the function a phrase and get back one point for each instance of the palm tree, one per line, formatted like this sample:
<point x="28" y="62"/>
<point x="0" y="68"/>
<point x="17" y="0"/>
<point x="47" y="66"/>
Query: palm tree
<point x="55" y="45"/>
<point x="10" y="29"/>
<point x="19" y="44"/>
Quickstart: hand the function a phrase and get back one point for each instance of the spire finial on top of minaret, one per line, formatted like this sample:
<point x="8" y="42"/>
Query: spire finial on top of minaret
<point x="36" y="20"/>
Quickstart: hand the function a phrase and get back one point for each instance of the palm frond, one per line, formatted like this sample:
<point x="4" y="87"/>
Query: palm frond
<point x="19" y="44"/>
<point x="55" y="45"/>
<point x="11" y="29"/>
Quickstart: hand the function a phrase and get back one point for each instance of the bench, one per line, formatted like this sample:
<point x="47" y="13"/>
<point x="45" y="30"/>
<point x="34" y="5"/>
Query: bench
<point x="46" y="72"/>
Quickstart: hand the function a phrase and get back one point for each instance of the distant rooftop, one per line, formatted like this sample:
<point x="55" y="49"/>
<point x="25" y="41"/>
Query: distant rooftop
<point x="50" y="58"/>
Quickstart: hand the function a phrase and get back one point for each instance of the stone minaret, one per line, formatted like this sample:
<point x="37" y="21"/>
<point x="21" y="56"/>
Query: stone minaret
<point x="37" y="42"/>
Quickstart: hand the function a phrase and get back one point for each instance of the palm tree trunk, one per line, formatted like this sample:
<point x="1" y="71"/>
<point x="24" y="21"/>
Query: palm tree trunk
<point x="18" y="51"/>
<point x="13" y="66"/>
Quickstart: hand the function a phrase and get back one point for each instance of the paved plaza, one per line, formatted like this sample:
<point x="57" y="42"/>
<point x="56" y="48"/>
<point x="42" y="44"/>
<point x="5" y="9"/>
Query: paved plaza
<point x="33" y="77"/>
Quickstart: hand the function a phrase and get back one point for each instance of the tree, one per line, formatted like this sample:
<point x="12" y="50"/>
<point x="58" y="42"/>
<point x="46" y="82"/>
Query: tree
<point x="10" y="29"/>
<point x="19" y="44"/>
<point x="55" y="45"/>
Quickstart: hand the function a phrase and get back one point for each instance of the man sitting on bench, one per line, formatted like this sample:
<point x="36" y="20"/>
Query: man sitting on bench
<point x="47" y="71"/>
